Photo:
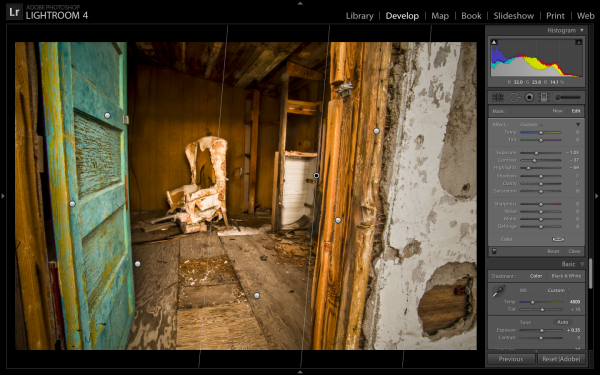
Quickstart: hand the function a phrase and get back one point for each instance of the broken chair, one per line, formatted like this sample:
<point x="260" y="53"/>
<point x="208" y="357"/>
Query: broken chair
<point x="192" y="205"/>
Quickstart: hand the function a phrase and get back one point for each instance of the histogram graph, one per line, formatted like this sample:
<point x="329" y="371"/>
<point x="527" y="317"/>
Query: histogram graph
<point x="536" y="58"/>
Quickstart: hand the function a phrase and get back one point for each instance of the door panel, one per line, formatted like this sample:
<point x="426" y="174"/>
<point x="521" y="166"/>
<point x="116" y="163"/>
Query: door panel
<point x="87" y="155"/>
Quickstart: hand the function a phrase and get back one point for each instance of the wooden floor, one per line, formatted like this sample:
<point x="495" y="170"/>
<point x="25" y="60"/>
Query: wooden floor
<point x="282" y="310"/>
<point x="155" y="285"/>
<point x="179" y="307"/>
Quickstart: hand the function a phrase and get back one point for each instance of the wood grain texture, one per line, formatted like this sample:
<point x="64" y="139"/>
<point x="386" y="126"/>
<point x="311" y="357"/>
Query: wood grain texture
<point x="176" y="147"/>
<point x="237" y="135"/>
<point x="102" y="250"/>
<point x="98" y="155"/>
<point x="295" y="70"/>
<point x="161" y="180"/>
<point x="367" y="199"/>
<point x="87" y="56"/>
<point x="155" y="284"/>
<point x="327" y="213"/>
<point x="282" y="141"/>
<point x="213" y="295"/>
<point x="20" y="330"/>
<point x="268" y="139"/>
<point x="254" y="149"/>
<point x="189" y="132"/>
<point x="225" y="327"/>
<point x="281" y="314"/>
<point x="195" y="246"/>
<point x="30" y="247"/>
<point x="338" y="62"/>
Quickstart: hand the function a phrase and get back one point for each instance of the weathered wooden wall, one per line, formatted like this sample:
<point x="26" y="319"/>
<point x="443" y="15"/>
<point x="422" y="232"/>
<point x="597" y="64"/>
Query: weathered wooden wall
<point x="268" y="140"/>
<point x="350" y="183"/>
<point x="30" y="242"/>
<point x="169" y="110"/>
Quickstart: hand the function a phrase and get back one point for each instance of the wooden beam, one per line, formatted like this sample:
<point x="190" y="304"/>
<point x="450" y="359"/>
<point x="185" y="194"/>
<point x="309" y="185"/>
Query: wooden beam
<point x="30" y="240"/>
<point x="302" y="111"/>
<point x="304" y="108"/>
<point x="366" y="185"/>
<point x="212" y="59"/>
<point x="327" y="213"/>
<point x="254" y="149"/>
<point x="266" y="62"/>
<point x="338" y="62"/>
<point x="282" y="134"/>
<point x="275" y="197"/>
<point x="295" y="70"/>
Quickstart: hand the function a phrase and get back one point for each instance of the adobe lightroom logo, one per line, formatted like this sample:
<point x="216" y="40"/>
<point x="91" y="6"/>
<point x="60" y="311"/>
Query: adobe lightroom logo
<point x="14" y="12"/>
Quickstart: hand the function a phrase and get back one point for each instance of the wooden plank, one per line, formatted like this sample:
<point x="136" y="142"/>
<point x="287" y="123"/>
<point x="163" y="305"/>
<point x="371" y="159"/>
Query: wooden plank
<point x="266" y="62"/>
<point x="236" y="141"/>
<point x="196" y="246"/>
<point x="295" y="70"/>
<point x="299" y="103"/>
<point x="198" y="117"/>
<point x="338" y="62"/>
<point x="30" y="245"/>
<point x="275" y="173"/>
<point x="214" y="295"/>
<point x="189" y="131"/>
<point x="254" y="150"/>
<point x="303" y="111"/>
<point x="155" y="284"/>
<point x="225" y="327"/>
<point x="203" y="119"/>
<point x="248" y="58"/>
<point x="300" y="154"/>
<point x="162" y="112"/>
<point x="99" y="147"/>
<point x="268" y="138"/>
<point x="226" y="133"/>
<point x="280" y="313"/>
<point x="143" y="142"/>
<point x="369" y="190"/>
<point x="20" y="330"/>
<point x="153" y="228"/>
<point x="344" y="183"/>
<point x="212" y="59"/>
<point x="327" y="213"/>
<point x="175" y="120"/>
<point x="282" y="140"/>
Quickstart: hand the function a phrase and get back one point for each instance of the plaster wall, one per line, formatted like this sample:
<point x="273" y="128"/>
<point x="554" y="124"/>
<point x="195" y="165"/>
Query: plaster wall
<point x="428" y="190"/>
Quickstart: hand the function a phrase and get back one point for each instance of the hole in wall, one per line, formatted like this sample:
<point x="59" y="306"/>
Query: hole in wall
<point x="449" y="305"/>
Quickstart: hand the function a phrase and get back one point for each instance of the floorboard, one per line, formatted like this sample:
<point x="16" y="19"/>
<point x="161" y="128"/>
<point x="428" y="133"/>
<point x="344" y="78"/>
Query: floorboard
<point x="224" y="327"/>
<point x="155" y="284"/>
<point x="216" y="295"/>
<point x="282" y="315"/>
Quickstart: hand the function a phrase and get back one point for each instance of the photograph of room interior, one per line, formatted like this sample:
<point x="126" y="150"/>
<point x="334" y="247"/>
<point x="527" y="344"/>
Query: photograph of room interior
<point x="247" y="195"/>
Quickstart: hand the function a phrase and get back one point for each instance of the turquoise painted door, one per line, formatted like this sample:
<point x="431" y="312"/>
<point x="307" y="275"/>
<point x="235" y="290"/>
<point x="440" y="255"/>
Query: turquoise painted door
<point x="85" y="98"/>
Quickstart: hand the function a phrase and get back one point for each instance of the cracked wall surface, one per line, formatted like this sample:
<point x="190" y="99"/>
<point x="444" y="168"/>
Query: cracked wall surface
<point x="428" y="190"/>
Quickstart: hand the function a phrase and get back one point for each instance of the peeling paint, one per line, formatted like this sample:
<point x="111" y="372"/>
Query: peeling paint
<point x="422" y="217"/>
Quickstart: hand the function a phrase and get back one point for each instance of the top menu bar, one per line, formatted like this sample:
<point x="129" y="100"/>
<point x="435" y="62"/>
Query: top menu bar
<point x="286" y="12"/>
<point x="470" y="17"/>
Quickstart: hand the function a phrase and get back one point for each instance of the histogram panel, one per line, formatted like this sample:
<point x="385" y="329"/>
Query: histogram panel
<point x="536" y="58"/>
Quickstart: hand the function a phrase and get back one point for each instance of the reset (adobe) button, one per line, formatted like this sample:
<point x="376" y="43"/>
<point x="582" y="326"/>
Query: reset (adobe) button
<point x="511" y="359"/>
<point x="561" y="359"/>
